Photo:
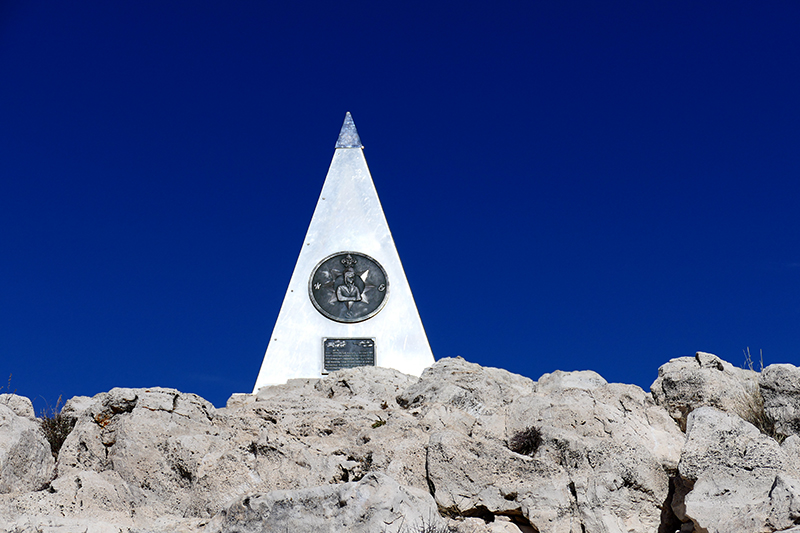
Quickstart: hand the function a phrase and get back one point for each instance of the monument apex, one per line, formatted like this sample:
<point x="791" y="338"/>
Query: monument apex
<point x="348" y="302"/>
<point x="348" y="136"/>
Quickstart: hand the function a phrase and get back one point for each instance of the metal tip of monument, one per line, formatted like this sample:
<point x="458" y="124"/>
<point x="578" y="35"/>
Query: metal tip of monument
<point x="348" y="136"/>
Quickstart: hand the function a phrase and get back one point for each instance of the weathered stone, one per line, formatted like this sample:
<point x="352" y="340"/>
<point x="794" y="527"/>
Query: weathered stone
<point x="475" y="389"/>
<point x="791" y="449"/>
<point x="376" y="503"/>
<point x="157" y="460"/>
<point x="369" y="387"/>
<point x="158" y="441"/>
<point x="338" y="428"/>
<point x="90" y="522"/>
<point x="476" y="477"/>
<point x="686" y="383"/>
<point x="86" y="499"/>
<point x="21" y="405"/>
<point x="184" y="457"/>
<point x="26" y="462"/>
<point x="740" y="479"/>
<point x="500" y="524"/>
<point x="240" y="399"/>
<point x="603" y="463"/>
<point x="456" y="395"/>
<point x="780" y="390"/>
<point x="76" y="405"/>
<point x="558" y="380"/>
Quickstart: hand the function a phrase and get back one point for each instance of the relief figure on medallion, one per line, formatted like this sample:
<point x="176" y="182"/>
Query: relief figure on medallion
<point x="348" y="291"/>
<point x="348" y="287"/>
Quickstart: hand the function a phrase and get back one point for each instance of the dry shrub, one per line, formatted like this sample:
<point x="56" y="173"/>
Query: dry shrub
<point x="430" y="526"/>
<point x="526" y="442"/>
<point x="750" y="407"/>
<point x="56" y="427"/>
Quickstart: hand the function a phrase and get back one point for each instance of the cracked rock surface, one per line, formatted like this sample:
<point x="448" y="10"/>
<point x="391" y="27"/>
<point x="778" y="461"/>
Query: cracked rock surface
<point x="26" y="463"/>
<point x="371" y="449"/>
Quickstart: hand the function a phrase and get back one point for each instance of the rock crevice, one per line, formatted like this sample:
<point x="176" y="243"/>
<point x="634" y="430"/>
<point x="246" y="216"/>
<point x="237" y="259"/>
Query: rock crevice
<point x="465" y="447"/>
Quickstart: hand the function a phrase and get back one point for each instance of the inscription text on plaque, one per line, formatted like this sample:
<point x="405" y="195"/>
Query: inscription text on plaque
<point x="347" y="353"/>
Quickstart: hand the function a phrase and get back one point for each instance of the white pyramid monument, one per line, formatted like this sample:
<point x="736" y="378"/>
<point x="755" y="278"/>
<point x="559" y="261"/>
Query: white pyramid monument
<point x="348" y="302"/>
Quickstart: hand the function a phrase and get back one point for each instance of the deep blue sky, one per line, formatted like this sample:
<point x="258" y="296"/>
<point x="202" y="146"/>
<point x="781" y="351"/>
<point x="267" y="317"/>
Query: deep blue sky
<point x="571" y="185"/>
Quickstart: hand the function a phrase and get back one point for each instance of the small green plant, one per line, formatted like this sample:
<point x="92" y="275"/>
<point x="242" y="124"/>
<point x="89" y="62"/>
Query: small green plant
<point x="526" y="442"/>
<point x="56" y="426"/>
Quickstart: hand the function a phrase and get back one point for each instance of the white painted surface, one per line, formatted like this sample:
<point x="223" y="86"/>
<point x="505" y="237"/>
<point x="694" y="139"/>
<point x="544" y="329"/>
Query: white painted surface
<point x="348" y="216"/>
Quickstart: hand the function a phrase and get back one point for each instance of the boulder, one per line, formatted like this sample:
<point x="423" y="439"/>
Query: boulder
<point x="735" y="477"/>
<point x="26" y="462"/>
<point x="581" y="379"/>
<point x="473" y="388"/>
<point x="176" y="454"/>
<point x="155" y="441"/>
<point x="686" y="383"/>
<point x="604" y="462"/>
<point x="455" y="394"/>
<point x="780" y="390"/>
<point x="76" y="405"/>
<point x="80" y="501"/>
<point x="21" y="405"/>
<point x="368" y="387"/>
<point x="376" y="503"/>
<point x="482" y="478"/>
<point x="337" y="429"/>
<point x="500" y="524"/>
<point x="378" y="450"/>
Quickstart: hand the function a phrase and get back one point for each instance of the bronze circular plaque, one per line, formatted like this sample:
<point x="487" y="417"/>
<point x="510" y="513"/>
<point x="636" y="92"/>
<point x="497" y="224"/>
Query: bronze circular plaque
<point x="348" y="287"/>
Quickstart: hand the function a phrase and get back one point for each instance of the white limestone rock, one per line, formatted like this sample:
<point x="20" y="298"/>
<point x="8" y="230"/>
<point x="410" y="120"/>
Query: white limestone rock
<point x="26" y="462"/>
<point x="686" y="383"/>
<point x="56" y="524"/>
<point x="456" y="395"/>
<point x="21" y="405"/>
<point x="739" y="478"/>
<point x="157" y="441"/>
<point x="581" y="379"/>
<point x="376" y="503"/>
<point x="336" y="429"/>
<point x="240" y="399"/>
<point x="500" y="524"/>
<point x="160" y="460"/>
<point x="467" y="386"/>
<point x="480" y="477"/>
<point x="79" y="501"/>
<point x="372" y="386"/>
<point x="76" y="405"/>
<point x="178" y="455"/>
<point x="780" y="389"/>
<point x="90" y="523"/>
<point x="603" y="464"/>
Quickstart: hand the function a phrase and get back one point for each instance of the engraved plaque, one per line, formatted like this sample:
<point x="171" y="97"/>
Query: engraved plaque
<point x="348" y="287"/>
<point x="347" y="353"/>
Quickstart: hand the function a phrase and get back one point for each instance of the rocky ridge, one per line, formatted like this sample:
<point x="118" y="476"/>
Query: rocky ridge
<point x="464" y="448"/>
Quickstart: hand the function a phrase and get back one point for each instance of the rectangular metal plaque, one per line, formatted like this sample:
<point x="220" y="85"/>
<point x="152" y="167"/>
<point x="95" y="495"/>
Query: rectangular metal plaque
<point x="347" y="353"/>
